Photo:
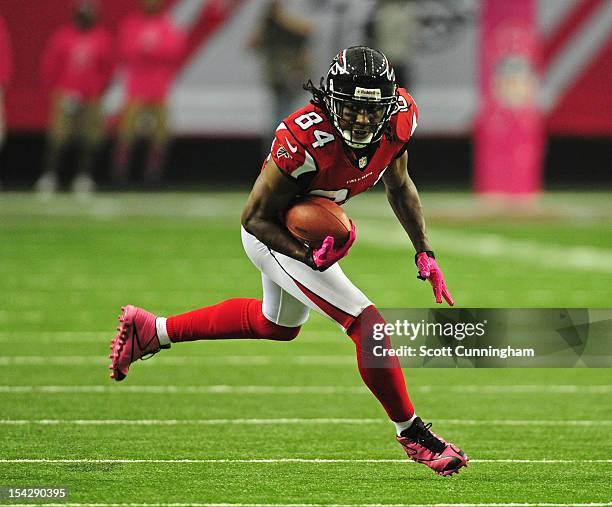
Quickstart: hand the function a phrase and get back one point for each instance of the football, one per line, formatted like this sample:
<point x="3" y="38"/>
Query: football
<point x="311" y="219"/>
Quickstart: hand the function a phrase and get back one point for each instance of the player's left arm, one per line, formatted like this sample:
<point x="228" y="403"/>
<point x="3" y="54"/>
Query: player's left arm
<point x="403" y="197"/>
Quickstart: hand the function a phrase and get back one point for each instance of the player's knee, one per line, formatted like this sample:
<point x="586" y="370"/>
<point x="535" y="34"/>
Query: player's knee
<point x="286" y="334"/>
<point x="361" y="329"/>
<point x="369" y="315"/>
<point x="265" y="329"/>
<point x="270" y="331"/>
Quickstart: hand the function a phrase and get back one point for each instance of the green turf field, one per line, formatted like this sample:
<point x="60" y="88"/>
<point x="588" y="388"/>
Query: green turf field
<point x="287" y="423"/>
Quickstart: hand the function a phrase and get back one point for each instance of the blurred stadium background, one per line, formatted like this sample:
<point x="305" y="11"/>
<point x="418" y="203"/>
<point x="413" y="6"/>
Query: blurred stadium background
<point x="67" y="262"/>
<point x="220" y="105"/>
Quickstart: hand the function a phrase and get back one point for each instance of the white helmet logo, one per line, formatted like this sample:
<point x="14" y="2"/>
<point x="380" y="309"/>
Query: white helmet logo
<point x="339" y="66"/>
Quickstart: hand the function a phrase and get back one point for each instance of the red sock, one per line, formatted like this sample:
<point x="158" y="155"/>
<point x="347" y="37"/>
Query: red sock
<point x="234" y="318"/>
<point x="386" y="383"/>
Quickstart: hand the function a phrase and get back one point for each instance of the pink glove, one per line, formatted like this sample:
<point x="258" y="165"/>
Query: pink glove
<point x="429" y="270"/>
<point x="323" y="257"/>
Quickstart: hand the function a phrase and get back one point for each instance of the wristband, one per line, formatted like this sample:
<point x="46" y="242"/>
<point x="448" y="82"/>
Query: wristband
<point x="309" y="259"/>
<point x="429" y="253"/>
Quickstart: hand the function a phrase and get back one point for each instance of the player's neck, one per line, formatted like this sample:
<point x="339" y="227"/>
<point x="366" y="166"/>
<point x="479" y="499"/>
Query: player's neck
<point x="360" y="157"/>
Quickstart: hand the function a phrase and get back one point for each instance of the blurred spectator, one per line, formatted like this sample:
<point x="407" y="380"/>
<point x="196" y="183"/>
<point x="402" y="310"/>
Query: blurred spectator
<point x="5" y="72"/>
<point x="77" y="66"/>
<point x="392" y="29"/>
<point x="151" y="45"/>
<point x="282" y="39"/>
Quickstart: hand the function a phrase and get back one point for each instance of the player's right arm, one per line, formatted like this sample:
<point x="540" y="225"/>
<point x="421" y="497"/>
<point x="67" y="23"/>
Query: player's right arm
<point x="263" y="213"/>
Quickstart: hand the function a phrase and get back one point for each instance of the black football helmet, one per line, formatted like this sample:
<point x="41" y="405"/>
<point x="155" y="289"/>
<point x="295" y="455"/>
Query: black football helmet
<point x="360" y="95"/>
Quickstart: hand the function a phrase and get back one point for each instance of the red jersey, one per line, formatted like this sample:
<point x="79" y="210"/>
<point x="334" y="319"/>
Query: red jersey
<point x="309" y="149"/>
<point x="78" y="62"/>
<point x="6" y="65"/>
<point x="151" y="48"/>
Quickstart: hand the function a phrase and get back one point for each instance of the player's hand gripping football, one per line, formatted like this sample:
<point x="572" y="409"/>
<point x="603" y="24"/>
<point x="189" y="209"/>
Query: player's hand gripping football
<point x="429" y="270"/>
<point x="326" y="255"/>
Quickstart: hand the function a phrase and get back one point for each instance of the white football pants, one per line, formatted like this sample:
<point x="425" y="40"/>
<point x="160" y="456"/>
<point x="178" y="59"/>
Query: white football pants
<point x="291" y="288"/>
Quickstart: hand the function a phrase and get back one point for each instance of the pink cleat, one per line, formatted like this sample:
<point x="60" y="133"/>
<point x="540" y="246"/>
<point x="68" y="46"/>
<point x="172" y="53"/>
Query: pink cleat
<point x="423" y="446"/>
<point x="136" y="337"/>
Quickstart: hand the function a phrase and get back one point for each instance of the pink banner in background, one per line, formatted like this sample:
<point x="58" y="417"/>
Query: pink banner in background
<point x="509" y="134"/>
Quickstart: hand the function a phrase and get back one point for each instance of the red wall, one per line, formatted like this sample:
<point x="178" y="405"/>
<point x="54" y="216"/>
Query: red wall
<point x="586" y="107"/>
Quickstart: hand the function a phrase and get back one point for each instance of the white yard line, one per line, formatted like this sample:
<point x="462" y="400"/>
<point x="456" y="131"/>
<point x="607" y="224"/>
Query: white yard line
<point x="262" y="389"/>
<point x="105" y="336"/>
<point x="172" y="360"/>
<point x="55" y="336"/>
<point x="555" y="389"/>
<point x="336" y="360"/>
<point x="195" y="504"/>
<point x="185" y="422"/>
<point x="296" y="420"/>
<point x="213" y="205"/>
<point x="209" y="389"/>
<point x="287" y="460"/>
<point x="496" y="246"/>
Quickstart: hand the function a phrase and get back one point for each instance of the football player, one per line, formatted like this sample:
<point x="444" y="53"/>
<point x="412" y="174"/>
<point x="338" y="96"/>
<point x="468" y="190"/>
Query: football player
<point x="353" y="133"/>
<point x="77" y="65"/>
<point x="150" y="47"/>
